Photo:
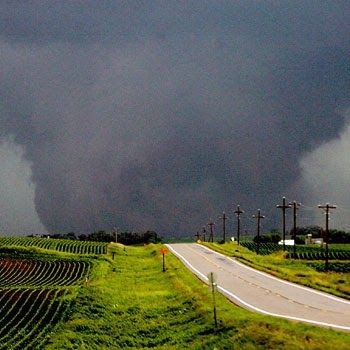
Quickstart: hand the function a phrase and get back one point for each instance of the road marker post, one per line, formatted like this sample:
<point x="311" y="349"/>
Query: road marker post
<point x="212" y="281"/>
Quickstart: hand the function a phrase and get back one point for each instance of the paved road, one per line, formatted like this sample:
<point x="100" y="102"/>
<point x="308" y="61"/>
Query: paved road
<point x="260" y="292"/>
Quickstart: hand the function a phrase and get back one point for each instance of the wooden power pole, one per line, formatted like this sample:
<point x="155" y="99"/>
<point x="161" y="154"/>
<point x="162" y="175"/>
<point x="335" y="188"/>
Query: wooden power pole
<point x="197" y="235"/>
<point x="295" y="207"/>
<point x="204" y="232"/>
<point x="211" y="235"/>
<point x="116" y="234"/>
<point x="326" y="208"/>
<point x="238" y="213"/>
<point x="258" y="217"/>
<point x="284" y="206"/>
<point x="224" y="218"/>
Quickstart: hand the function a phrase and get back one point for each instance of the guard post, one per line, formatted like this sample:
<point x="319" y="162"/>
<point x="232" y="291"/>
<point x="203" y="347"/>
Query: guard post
<point x="212" y="284"/>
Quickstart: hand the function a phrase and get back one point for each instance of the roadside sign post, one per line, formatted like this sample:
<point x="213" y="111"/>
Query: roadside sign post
<point x="212" y="282"/>
<point x="163" y="251"/>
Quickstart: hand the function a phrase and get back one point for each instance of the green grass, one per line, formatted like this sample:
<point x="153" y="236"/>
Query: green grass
<point x="297" y="271"/>
<point x="131" y="304"/>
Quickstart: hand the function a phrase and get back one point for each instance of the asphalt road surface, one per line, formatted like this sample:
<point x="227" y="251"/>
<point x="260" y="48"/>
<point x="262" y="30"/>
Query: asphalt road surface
<point x="260" y="292"/>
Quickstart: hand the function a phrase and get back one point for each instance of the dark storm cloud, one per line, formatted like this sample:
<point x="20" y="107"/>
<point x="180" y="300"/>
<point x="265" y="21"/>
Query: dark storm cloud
<point x="158" y="114"/>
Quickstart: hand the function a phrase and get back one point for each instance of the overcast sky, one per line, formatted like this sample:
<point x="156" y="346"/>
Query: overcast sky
<point x="159" y="115"/>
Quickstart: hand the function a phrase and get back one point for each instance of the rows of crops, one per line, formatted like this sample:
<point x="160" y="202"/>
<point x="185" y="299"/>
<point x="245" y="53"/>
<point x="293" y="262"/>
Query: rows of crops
<point x="302" y="252"/>
<point x="62" y="245"/>
<point x="320" y="254"/>
<point x="26" y="315"/>
<point x="19" y="272"/>
<point x="264" y="248"/>
<point x="33" y="289"/>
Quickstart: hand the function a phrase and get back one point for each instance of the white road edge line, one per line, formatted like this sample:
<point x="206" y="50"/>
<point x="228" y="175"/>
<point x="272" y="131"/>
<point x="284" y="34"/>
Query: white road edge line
<point x="278" y="279"/>
<point x="225" y="291"/>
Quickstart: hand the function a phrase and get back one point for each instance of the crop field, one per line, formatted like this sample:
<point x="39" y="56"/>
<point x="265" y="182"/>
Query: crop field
<point x="54" y="300"/>
<point x="27" y="315"/>
<point x="302" y="252"/>
<point x="36" y="288"/>
<point x="40" y="273"/>
<point x="61" y="245"/>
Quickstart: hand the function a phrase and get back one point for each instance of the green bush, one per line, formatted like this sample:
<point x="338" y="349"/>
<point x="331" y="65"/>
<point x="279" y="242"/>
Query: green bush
<point x="268" y="238"/>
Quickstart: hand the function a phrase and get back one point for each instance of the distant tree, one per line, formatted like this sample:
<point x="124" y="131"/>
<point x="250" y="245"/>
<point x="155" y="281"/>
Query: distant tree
<point x="70" y="235"/>
<point x="82" y="237"/>
<point x="151" y="237"/>
<point x="315" y="231"/>
<point x="138" y="238"/>
<point x="335" y="236"/>
<point x="338" y="236"/>
<point x="268" y="238"/>
<point x="100" y="236"/>
<point x="123" y="237"/>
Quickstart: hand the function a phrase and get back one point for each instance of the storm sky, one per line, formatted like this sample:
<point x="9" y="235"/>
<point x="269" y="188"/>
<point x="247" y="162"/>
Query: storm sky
<point x="158" y="114"/>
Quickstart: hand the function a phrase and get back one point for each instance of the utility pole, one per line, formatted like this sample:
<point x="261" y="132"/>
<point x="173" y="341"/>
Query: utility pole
<point x="295" y="207"/>
<point x="116" y="234"/>
<point x="211" y="236"/>
<point x="258" y="217"/>
<point x="197" y="235"/>
<point x="224" y="218"/>
<point x="238" y="213"/>
<point x="204" y="231"/>
<point x="327" y="207"/>
<point x="284" y="206"/>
